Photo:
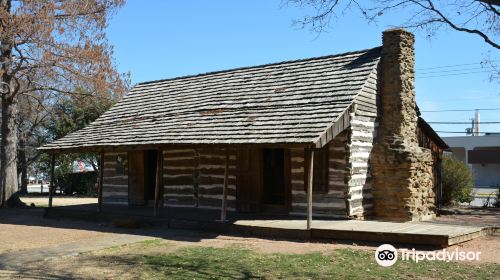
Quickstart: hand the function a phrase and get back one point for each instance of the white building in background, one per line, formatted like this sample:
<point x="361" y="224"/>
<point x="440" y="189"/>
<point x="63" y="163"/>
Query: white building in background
<point x="482" y="154"/>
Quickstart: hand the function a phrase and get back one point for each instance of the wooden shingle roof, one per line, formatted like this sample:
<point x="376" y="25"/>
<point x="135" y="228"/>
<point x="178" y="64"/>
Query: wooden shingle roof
<point x="292" y="102"/>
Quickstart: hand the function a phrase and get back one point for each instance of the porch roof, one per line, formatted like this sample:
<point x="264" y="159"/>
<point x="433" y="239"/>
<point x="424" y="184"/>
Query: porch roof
<point x="294" y="102"/>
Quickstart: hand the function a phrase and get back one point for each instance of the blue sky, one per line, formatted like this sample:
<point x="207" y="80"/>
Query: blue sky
<point x="160" y="39"/>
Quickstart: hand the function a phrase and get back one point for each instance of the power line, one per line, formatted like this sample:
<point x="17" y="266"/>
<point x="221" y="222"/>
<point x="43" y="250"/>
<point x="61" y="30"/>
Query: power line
<point x="454" y="65"/>
<point x="460" y="110"/>
<point x="462" y="122"/>
<point x="463" y="132"/>
<point x="457" y="98"/>
<point x="451" y="70"/>
<point x="455" y="74"/>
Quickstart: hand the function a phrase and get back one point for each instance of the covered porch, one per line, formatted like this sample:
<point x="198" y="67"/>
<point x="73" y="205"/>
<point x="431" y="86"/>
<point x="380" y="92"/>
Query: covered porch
<point x="243" y="180"/>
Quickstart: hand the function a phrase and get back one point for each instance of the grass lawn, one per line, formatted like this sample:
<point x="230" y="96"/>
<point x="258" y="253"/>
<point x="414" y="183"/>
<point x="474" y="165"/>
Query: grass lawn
<point x="237" y="262"/>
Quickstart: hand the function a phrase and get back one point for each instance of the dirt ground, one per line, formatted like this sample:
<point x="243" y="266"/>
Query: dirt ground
<point x="26" y="229"/>
<point x="41" y="201"/>
<point x="115" y="262"/>
<point x="471" y="217"/>
<point x="31" y="245"/>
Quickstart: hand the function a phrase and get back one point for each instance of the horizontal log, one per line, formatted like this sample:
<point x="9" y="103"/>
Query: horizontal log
<point x="114" y="154"/>
<point x="299" y="187"/>
<point x="217" y="203"/>
<point x="230" y="209"/>
<point x="216" y="161"/>
<point x="215" y="191"/>
<point x="179" y="152"/>
<point x="178" y="205"/>
<point x="115" y="181"/>
<point x="297" y="153"/>
<point x="114" y="202"/>
<point x="184" y="180"/>
<point x="184" y="191"/>
<point x="174" y="168"/>
<point x="297" y="176"/>
<point x="115" y="189"/>
<point x="211" y="180"/>
<point x="178" y="172"/>
<point x="188" y="162"/>
<point x="115" y="197"/>
<point x="113" y="172"/>
<point x="297" y="165"/>
<point x="179" y="200"/>
<point x="341" y="155"/>
<point x="324" y="200"/>
<point x="204" y="169"/>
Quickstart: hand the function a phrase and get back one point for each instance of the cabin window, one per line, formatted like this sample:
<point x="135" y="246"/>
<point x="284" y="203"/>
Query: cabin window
<point x="320" y="176"/>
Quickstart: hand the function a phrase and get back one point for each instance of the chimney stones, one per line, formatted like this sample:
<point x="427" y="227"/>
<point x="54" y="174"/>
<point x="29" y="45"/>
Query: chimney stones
<point x="401" y="170"/>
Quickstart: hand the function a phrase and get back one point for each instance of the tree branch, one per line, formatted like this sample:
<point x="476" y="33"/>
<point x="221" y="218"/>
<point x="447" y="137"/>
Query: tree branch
<point x="444" y="19"/>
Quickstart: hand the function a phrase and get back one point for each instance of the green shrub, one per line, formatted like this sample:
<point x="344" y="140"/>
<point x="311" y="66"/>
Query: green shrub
<point x="79" y="183"/>
<point x="457" y="181"/>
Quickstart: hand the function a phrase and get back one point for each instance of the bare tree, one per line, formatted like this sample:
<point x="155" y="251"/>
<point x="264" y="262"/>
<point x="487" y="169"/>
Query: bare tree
<point x="480" y="18"/>
<point x="50" y="47"/>
<point x="33" y="118"/>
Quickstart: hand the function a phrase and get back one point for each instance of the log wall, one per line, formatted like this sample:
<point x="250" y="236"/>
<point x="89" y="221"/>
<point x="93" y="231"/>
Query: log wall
<point x="179" y="178"/>
<point x="333" y="202"/>
<point x="211" y="168"/>
<point x="362" y="136"/>
<point x="195" y="178"/>
<point x="359" y="198"/>
<point x="115" y="179"/>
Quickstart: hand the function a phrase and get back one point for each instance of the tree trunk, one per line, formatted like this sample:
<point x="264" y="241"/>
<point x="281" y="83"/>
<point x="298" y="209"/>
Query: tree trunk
<point x="23" y="165"/>
<point x="8" y="172"/>
<point x="8" y="151"/>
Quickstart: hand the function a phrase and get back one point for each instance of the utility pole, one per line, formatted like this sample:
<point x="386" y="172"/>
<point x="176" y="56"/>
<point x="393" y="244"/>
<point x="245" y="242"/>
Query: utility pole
<point x="474" y="129"/>
<point x="476" y="123"/>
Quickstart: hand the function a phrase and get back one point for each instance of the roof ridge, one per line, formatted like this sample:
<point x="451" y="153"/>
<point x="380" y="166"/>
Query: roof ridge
<point x="257" y="66"/>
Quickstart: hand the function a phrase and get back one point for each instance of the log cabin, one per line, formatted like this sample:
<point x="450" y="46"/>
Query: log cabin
<point x="337" y="136"/>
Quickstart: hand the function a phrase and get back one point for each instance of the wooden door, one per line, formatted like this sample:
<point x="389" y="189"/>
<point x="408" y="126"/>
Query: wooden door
<point x="249" y="180"/>
<point x="276" y="186"/>
<point x="136" y="178"/>
<point x="273" y="174"/>
<point x="150" y="161"/>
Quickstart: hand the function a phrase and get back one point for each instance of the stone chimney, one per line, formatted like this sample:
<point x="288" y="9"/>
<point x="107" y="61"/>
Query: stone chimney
<point x="401" y="170"/>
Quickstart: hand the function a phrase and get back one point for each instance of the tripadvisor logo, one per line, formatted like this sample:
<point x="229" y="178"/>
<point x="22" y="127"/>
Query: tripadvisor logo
<point x="386" y="255"/>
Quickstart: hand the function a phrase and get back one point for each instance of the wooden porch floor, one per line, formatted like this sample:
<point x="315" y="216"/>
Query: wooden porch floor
<point x="282" y="226"/>
<point x="423" y="233"/>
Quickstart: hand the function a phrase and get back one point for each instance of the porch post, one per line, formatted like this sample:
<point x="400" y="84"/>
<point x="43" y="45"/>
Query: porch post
<point x="309" y="188"/>
<point x="100" y="183"/>
<point x="159" y="176"/>
<point x="224" y="190"/>
<point x="52" y="177"/>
